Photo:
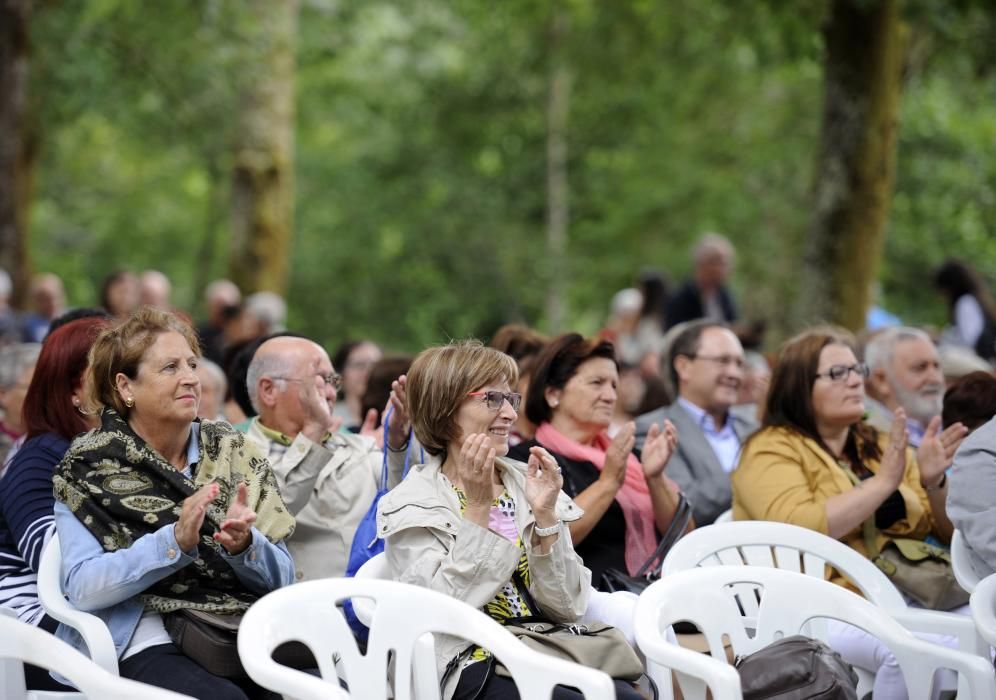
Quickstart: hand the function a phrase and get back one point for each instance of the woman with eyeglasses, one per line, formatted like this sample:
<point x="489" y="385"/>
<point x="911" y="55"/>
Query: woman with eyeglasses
<point x="627" y="501"/>
<point x="471" y="523"/>
<point x="816" y="464"/>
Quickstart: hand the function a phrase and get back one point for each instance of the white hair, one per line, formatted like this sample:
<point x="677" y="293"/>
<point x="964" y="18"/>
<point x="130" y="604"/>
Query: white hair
<point x="266" y="364"/>
<point x="6" y="285"/>
<point x="710" y="245"/>
<point x="881" y="349"/>
<point x="215" y="373"/>
<point x="269" y="308"/>
<point x="14" y="359"/>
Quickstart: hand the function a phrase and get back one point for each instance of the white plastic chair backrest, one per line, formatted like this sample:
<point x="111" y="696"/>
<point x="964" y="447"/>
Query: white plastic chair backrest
<point x="373" y="568"/>
<point x="983" y="604"/>
<point x="725" y="517"/>
<point x="93" y="630"/>
<point x="781" y="546"/>
<point x="19" y="640"/>
<point x="11" y="669"/>
<point x="961" y="563"/>
<point x="402" y="614"/>
<point x="710" y="598"/>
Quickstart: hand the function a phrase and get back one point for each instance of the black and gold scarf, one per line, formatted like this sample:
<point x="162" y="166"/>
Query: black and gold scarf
<point x="121" y="489"/>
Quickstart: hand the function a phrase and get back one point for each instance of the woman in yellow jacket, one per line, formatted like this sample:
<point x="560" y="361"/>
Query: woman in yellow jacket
<point x="796" y="469"/>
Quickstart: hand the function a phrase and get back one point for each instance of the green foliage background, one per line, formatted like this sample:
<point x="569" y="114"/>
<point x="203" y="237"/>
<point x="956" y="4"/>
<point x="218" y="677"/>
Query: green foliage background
<point x="420" y="152"/>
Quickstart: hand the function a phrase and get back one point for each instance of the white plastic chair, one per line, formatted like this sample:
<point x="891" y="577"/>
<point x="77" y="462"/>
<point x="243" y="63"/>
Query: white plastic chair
<point x="787" y="602"/>
<point x="401" y="615"/>
<point x="28" y="644"/>
<point x="983" y="604"/>
<point x="93" y="630"/>
<point x="797" y="549"/>
<point x="961" y="563"/>
<point x="725" y="517"/>
<point x="614" y="609"/>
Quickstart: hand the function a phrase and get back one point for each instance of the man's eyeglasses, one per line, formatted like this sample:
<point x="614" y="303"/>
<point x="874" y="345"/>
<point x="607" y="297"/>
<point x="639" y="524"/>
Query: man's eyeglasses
<point x="840" y="373"/>
<point x="725" y="360"/>
<point x="334" y="380"/>
<point x="496" y="399"/>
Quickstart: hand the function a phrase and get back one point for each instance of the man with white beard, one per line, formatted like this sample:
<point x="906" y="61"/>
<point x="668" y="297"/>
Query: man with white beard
<point x="905" y="372"/>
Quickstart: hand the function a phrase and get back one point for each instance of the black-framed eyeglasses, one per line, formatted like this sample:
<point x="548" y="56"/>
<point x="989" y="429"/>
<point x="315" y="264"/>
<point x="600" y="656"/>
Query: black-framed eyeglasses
<point x="496" y="399"/>
<point x="725" y="360"/>
<point x="840" y="373"/>
<point x="334" y="380"/>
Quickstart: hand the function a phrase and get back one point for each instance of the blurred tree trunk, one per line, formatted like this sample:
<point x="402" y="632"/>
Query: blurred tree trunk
<point x="262" y="181"/>
<point x="557" y="187"/>
<point x="864" y="46"/>
<point x="15" y="144"/>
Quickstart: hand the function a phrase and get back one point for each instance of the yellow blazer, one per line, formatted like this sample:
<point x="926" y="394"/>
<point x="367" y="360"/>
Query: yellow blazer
<point x="786" y="477"/>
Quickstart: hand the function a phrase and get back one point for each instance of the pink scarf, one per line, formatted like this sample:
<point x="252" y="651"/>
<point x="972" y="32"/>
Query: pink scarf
<point x="633" y="496"/>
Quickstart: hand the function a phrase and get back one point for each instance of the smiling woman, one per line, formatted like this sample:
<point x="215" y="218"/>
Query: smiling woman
<point x="626" y="501"/>
<point x="188" y="502"/>
<point x="475" y="525"/>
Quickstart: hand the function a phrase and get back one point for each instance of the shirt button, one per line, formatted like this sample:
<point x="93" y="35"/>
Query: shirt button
<point x="171" y="553"/>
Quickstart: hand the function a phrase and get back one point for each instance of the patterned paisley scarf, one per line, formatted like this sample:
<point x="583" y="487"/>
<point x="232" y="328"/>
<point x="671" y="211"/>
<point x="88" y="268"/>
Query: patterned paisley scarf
<point x="121" y="489"/>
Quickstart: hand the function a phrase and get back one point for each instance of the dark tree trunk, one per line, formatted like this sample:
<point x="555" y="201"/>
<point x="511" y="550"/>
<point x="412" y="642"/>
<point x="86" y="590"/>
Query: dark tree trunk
<point x="864" y="44"/>
<point x="16" y="153"/>
<point x="262" y="181"/>
<point x="557" y="185"/>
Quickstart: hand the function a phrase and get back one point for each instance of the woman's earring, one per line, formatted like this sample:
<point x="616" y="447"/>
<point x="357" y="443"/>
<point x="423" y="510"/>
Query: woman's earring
<point x="554" y="403"/>
<point x="130" y="401"/>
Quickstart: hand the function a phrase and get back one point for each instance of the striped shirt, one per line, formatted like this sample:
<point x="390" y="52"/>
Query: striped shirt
<point x="26" y="522"/>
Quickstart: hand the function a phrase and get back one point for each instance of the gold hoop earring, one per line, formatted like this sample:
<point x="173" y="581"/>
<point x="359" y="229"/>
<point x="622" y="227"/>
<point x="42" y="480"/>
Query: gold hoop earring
<point x="130" y="401"/>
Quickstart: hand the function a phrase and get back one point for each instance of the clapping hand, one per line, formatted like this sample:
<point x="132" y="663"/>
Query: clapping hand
<point x="475" y="469"/>
<point x="937" y="450"/>
<point x="893" y="464"/>
<point x="658" y="448"/>
<point x="614" y="469"/>
<point x="543" y="484"/>
<point x="187" y="529"/>
<point x="235" y="534"/>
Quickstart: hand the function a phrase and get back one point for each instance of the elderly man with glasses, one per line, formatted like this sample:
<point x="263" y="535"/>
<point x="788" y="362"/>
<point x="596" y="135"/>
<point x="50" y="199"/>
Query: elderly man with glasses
<point x="706" y="366"/>
<point x="328" y="479"/>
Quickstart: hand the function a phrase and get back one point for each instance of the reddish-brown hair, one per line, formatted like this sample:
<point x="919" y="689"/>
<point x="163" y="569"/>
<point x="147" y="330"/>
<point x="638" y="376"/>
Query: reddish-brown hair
<point x="48" y="406"/>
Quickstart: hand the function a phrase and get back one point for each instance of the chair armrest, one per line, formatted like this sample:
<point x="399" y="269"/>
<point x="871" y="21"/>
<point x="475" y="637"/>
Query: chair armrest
<point x="936" y="622"/>
<point x="98" y="639"/>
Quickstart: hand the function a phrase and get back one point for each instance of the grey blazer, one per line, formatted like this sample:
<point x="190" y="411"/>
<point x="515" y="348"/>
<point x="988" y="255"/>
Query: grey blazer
<point x="694" y="466"/>
<point x="972" y="493"/>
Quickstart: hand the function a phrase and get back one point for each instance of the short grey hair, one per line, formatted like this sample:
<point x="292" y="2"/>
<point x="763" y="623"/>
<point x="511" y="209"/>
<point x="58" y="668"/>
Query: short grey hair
<point x="881" y="349"/>
<point x="710" y="245"/>
<point x="14" y="359"/>
<point x="266" y="364"/>
<point x="6" y="284"/>
<point x="269" y="308"/>
<point x="216" y="374"/>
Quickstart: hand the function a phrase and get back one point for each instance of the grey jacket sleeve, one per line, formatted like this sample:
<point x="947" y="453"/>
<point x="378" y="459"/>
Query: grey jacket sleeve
<point x="971" y="503"/>
<point x="298" y="469"/>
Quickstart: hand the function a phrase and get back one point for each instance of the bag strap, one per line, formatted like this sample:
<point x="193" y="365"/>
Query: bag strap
<point x="679" y="523"/>
<point x="868" y="526"/>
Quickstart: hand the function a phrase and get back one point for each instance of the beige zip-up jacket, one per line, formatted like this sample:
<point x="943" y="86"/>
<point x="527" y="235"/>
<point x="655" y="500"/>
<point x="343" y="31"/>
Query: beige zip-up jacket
<point x="429" y="544"/>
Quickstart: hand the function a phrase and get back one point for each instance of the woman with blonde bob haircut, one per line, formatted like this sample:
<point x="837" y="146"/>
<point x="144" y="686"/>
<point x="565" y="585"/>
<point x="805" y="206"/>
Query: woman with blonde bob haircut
<point x="160" y="513"/>
<point x="475" y="525"/>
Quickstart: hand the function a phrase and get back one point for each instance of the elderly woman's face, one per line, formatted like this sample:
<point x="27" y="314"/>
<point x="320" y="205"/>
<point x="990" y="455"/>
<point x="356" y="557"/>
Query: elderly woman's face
<point x="840" y="402"/>
<point x="474" y="416"/>
<point x="166" y="388"/>
<point x="589" y="397"/>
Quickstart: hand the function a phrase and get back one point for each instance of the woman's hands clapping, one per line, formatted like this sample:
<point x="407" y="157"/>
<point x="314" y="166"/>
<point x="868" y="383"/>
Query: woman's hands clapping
<point x="658" y="448"/>
<point x="543" y="484"/>
<point x="475" y="470"/>
<point x="937" y="450"/>
<point x="235" y="534"/>
<point x="893" y="465"/>
<point x="614" y="469"/>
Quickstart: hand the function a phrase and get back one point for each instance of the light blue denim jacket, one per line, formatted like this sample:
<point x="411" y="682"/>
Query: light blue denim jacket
<point x="108" y="584"/>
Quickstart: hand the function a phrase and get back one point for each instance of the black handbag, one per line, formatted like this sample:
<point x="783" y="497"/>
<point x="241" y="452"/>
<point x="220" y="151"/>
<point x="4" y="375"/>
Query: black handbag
<point x="796" y="668"/>
<point x="211" y="640"/>
<point x="614" y="580"/>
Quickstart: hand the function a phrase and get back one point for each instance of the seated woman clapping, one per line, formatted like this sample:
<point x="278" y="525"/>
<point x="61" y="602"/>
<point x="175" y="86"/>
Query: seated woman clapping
<point x="475" y="525"/>
<point x="159" y="511"/>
